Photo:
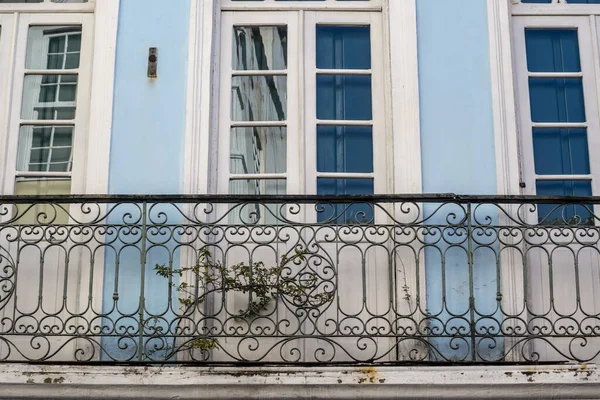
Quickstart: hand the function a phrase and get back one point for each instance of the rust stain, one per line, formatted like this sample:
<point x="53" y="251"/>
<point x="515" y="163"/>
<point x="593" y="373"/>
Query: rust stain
<point x="371" y="375"/>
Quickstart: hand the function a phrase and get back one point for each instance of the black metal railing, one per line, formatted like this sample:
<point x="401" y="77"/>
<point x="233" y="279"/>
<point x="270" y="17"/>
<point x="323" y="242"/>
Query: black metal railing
<point x="299" y="279"/>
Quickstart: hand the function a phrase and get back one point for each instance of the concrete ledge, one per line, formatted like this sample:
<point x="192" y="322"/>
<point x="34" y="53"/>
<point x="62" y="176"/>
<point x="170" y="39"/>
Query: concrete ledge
<point x="22" y="381"/>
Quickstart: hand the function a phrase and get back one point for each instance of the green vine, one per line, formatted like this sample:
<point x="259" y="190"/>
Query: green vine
<point x="264" y="286"/>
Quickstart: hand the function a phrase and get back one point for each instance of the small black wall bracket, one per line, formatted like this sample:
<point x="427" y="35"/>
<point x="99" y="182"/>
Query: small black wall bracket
<point x="153" y="63"/>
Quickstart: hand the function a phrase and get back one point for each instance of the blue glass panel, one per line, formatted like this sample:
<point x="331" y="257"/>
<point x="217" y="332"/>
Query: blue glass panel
<point x="573" y="214"/>
<point x="359" y="213"/>
<point x="556" y="100"/>
<point x="343" y="47"/>
<point x="552" y="50"/>
<point x="345" y="149"/>
<point x="344" y="97"/>
<point x="560" y="151"/>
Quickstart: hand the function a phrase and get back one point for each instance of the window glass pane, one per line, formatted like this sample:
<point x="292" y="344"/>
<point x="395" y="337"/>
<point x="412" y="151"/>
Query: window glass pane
<point x="552" y="50"/>
<point x="343" y="47"/>
<point x="259" y="98"/>
<point x="561" y="151"/>
<point x="258" y="150"/>
<point x="574" y="214"/>
<point x="41" y="147"/>
<point x="344" y="97"/>
<point x="53" y="47"/>
<point x="345" y="148"/>
<point x="556" y="100"/>
<point x="252" y="213"/>
<point x="49" y="97"/>
<point x="257" y="186"/>
<point x="360" y="213"/>
<point x="259" y="48"/>
<point x="42" y="213"/>
<point x="61" y="155"/>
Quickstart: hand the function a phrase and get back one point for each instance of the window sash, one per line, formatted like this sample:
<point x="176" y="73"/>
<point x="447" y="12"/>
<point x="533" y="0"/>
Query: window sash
<point x="228" y="21"/>
<point x="588" y="48"/>
<point x="377" y="73"/>
<point x="301" y="172"/>
<point x="18" y="48"/>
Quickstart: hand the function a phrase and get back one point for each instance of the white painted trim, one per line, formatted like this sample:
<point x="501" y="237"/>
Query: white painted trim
<point x="8" y="34"/>
<point x="288" y="5"/>
<point x="404" y="76"/>
<point x="506" y="145"/>
<point x="102" y="95"/>
<point x="47" y="7"/>
<point x="199" y="97"/>
<point x="22" y="381"/>
<point x="503" y="97"/>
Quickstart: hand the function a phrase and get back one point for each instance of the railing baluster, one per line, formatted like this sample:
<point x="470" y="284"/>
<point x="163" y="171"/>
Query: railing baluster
<point x="142" y="305"/>
<point x="470" y="260"/>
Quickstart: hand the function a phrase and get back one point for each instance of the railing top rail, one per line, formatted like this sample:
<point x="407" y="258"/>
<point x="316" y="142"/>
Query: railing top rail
<point x="302" y="199"/>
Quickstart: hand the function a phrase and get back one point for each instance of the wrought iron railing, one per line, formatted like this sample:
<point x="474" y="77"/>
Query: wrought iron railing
<point x="301" y="279"/>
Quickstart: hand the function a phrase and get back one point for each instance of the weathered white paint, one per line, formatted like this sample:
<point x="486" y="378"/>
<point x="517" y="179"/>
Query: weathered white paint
<point x="107" y="382"/>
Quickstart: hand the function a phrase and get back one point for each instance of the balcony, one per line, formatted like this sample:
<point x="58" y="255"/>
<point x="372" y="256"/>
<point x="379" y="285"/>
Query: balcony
<point x="299" y="280"/>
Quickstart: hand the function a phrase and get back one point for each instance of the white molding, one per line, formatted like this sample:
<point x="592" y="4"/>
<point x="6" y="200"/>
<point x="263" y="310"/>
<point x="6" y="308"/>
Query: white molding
<point x="199" y="97"/>
<point x="503" y="97"/>
<point x="404" y="73"/>
<point x="8" y="37"/>
<point x="45" y="8"/>
<point x="285" y="382"/>
<point x="102" y="95"/>
<point x="506" y="140"/>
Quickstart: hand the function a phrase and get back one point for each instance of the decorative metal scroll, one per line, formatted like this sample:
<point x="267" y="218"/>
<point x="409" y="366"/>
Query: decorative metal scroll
<point x="301" y="279"/>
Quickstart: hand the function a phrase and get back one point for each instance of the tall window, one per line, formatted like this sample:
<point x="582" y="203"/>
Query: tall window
<point x="557" y="65"/>
<point x="51" y="79"/>
<point x="302" y="100"/>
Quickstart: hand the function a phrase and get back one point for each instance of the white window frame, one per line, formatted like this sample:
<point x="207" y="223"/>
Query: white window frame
<point x="400" y="80"/>
<point x="83" y="94"/>
<point x="91" y="145"/>
<point x="229" y="20"/>
<point x="510" y="108"/>
<point x="592" y="123"/>
<point x="378" y="122"/>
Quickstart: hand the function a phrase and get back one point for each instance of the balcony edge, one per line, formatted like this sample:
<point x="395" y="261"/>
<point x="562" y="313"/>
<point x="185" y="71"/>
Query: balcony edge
<point x="23" y="381"/>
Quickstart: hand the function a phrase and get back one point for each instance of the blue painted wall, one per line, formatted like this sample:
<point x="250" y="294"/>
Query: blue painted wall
<point x="146" y="157"/>
<point x="149" y="115"/>
<point x="456" y="103"/>
<point x="457" y="142"/>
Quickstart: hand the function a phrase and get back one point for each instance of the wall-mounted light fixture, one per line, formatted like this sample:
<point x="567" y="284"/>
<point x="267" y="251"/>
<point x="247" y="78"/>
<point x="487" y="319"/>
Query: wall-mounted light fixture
<point x="153" y="63"/>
